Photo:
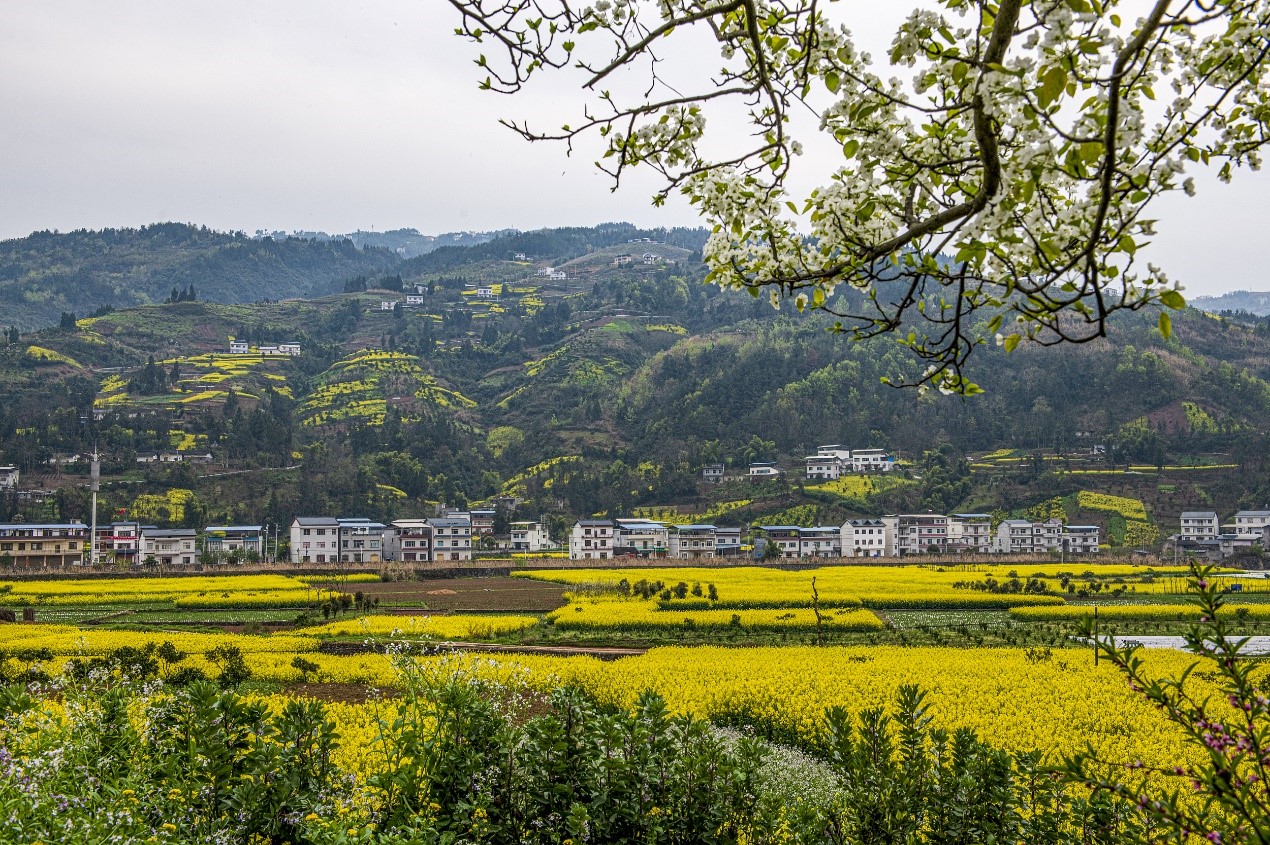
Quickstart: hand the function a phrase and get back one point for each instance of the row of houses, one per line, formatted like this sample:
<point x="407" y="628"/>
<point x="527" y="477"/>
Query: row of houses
<point x="47" y="545"/>
<point x="897" y="535"/>
<point x="242" y="347"/>
<point x="449" y="538"/>
<point x="829" y="463"/>
<point x="1204" y="533"/>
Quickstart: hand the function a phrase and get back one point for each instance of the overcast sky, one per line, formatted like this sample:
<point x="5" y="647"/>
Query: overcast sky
<point x="338" y="115"/>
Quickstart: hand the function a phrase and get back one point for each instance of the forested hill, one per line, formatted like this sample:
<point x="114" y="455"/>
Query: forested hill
<point x="48" y="273"/>
<point x="603" y="385"/>
<point x="1249" y="301"/>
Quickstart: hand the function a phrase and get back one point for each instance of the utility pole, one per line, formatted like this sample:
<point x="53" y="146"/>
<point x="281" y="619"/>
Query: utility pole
<point x="94" y="486"/>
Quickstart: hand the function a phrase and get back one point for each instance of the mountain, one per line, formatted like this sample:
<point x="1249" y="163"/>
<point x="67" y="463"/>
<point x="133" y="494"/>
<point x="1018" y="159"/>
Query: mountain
<point x="1251" y="302"/>
<point x="48" y="273"/>
<point x="407" y="243"/>
<point x="589" y="370"/>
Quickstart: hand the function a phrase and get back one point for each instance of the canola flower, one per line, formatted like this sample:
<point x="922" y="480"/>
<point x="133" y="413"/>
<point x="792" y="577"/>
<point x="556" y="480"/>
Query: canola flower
<point x="1134" y="612"/>
<point x="635" y="614"/>
<point x="143" y="590"/>
<point x="453" y="627"/>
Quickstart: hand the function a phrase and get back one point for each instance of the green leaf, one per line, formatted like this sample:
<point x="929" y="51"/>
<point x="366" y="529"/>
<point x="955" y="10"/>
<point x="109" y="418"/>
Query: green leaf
<point x="832" y="82"/>
<point x="1165" y="324"/>
<point x="1012" y="341"/>
<point x="1173" y="299"/>
<point x="1053" y="81"/>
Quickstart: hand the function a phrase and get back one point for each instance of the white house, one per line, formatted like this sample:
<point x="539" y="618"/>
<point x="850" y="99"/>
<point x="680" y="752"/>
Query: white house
<point x="820" y="541"/>
<point x="558" y="276"/>
<point x="361" y="540"/>
<point x="269" y="350"/>
<point x="713" y="473"/>
<point x="915" y="533"/>
<point x="760" y="470"/>
<point x="119" y="540"/>
<point x="1021" y="536"/>
<point x="1199" y="525"/>
<point x="727" y="541"/>
<point x="863" y="538"/>
<point x="239" y="347"/>
<point x="248" y="539"/>
<point x="691" y="542"/>
<point x="544" y="271"/>
<point x="485" y="293"/>
<point x="387" y="304"/>
<point x="408" y="540"/>
<point x="651" y="258"/>
<point x="530" y="537"/>
<point x="1251" y="523"/>
<point x="289" y="349"/>
<point x="871" y="460"/>
<point x="1081" y="540"/>
<point x="592" y="539"/>
<point x="452" y="538"/>
<point x="970" y="532"/>
<point x="415" y="299"/>
<point x="9" y="477"/>
<point x="784" y="537"/>
<point x="641" y="537"/>
<point x="315" y="539"/>
<point x="169" y="546"/>
<point x="823" y="467"/>
<point x="622" y="260"/>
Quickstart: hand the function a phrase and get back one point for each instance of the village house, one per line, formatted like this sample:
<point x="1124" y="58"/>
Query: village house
<point x="823" y="467"/>
<point x="168" y="546"/>
<point x="268" y="350"/>
<point x="651" y="258"/>
<point x="1251" y="523"/>
<point x="863" y="538"/>
<point x="482" y="521"/>
<point x="622" y="260"/>
<point x="119" y="541"/>
<point x="761" y="470"/>
<point x="291" y="349"/>
<point x="785" y="537"/>
<point x="1199" y="525"/>
<point x="640" y="538"/>
<point x="970" y="533"/>
<point x="485" y="293"/>
<point x="387" y="304"/>
<point x="713" y="473"/>
<point x="915" y="534"/>
<point x="529" y="537"/>
<point x="42" y="545"/>
<point x="415" y="299"/>
<point x="592" y="539"/>
<point x="727" y="541"/>
<point x="691" y="542"/>
<point x="452" y="538"/>
<point x="315" y="539"/>
<point x="871" y="460"/>
<point x="360" y="540"/>
<point x="239" y="347"/>
<point x="9" y="476"/>
<point x="1021" y="536"/>
<point x="227" y="539"/>
<point x="820" y="541"/>
<point x="409" y="541"/>
<point x="1081" y="540"/>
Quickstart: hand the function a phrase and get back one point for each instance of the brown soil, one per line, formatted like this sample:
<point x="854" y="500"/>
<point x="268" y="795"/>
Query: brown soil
<point x="457" y="595"/>
<point x="346" y="693"/>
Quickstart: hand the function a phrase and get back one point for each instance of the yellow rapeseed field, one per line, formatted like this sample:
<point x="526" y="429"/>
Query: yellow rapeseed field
<point x="633" y="614"/>
<point x="1132" y="612"/>
<point x="144" y="590"/>
<point x="454" y="627"/>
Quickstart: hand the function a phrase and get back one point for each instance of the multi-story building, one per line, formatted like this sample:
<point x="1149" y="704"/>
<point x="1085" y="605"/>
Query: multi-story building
<point x="784" y="537"/>
<point x="760" y="470"/>
<point x="9" y="476"/>
<point x="1251" y="523"/>
<point x="451" y="538"/>
<point x="361" y="540"/>
<point x="727" y="541"/>
<point x="530" y="537"/>
<point x="1199" y="525"/>
<point x="27" y="545"/>
<point x="820" y="541"/>
<point x="823" y="467"/>
<point x="915" y="534"/>
<point x="119" y="541"/>
<point x="592" y="539"/>
<point x="640" y="537"/>
<point x="863" y="538"/>
<point x="713" y="473"/>
<point x="871" y="460"/>
<point x="315" y="539"/>
<point x="483" y="521"/>
<point x="690" y="542"/>
<point x="970" y="533"/>
<point x="227" y="539"/>
<point x="168" y="546"/>
<point x="408" y="540"/>
<point x="1020" y="536"/>
<point x="1081" y="540"/>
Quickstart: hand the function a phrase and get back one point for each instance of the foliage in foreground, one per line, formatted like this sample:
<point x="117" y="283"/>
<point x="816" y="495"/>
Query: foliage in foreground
<point x="459" y="759"/>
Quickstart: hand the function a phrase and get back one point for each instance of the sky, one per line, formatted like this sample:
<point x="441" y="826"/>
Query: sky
<point x="337" y="115"/>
